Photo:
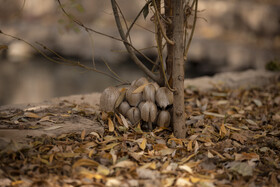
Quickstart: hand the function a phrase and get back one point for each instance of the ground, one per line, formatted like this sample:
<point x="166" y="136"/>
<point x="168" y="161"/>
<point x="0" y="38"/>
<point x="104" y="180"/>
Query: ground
<point x="232" y="140"/>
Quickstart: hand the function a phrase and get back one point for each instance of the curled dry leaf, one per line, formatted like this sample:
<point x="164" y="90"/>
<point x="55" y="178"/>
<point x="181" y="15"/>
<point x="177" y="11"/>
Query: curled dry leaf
<point x="164" y="97"/>
<point x="108" y="99"/>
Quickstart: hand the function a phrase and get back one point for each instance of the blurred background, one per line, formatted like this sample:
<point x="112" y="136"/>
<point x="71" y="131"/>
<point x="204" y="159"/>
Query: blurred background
<point x="231" y="35"/>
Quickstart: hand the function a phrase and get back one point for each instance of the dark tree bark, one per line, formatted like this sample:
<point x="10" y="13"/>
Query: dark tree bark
<point x="178" y="69"/>
<point x="168" y="12"/>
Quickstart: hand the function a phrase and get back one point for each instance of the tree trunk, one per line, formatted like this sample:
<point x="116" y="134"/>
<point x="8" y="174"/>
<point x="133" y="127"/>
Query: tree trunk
<point x="178" y="69"/>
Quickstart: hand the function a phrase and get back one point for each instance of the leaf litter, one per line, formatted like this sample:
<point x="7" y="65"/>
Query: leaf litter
<point x="232" y="140"/>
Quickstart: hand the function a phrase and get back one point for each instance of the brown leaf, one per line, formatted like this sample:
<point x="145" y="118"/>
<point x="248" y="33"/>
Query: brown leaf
<point x="110" y="146"/>
<point x="242" y="168"/>
<point x="120" y="98"/>
<point x="125" y="164"/>
<point x="125" y="123"/>
<point x="31" y="115"/>
<point x="246" y="156"/>
<point x="111" y="125"/>
<point x="85" y="162"/>
<point x="238" y="137"/>
<point x="143" y="143"/>
<point x="223" y="131"/>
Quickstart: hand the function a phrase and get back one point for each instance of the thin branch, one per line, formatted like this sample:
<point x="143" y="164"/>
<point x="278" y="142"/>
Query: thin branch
<point x="89" y="29"/>
<point x="160" y="25"/>
<point x="134" y="21"/>
<point x="85" y="27"/>
<point x="128" y="47"/>
<point x="191" y="36"/>
<point x="125" y="22"/>
<point x="112" y="71"/>
<point x="66" y="61"/>
<point x="92" y="47"/>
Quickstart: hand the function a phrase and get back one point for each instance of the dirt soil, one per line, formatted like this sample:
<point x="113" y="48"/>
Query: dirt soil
<point x="233" y="123"/>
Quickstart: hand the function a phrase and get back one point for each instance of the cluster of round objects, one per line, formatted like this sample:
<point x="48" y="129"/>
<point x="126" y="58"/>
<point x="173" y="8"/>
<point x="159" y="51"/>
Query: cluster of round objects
<point x="141" y="101"/>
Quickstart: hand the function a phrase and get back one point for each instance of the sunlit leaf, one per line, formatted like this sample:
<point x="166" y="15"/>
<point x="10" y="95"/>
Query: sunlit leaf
<point x="109" y="146"/>
<point x="189" y="147"/>
<point x="95" y="134"/>
<point x="186" y="168"/>
<point x="31" y="115"/>
<point x="103" y="170"/>
<point x="140" y="88"/>
<point x="125" y="123"/>
<point x="223" y="131"/>
<point x="246" y="156"/>
<point x="125" y="164"/>
<point x="120" y="98"/>
<point x="68" y="155"/>
<point x="85" y="162"/>
<point x="111" y="125"/>
<point x="113" y="182"/>
<point x="166" y="151"/>
<point x="257" y="102"/>
<point x="214" y="114"/>
<point x="183" y="182"/>
<point x="168" y="181"/>
<point x="142" y="145"/>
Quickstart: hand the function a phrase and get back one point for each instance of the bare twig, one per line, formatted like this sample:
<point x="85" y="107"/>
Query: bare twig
<point x="92" y="47"/>
<point x="160" y="25"/>
<point x="125" y="22"/>
<point x="128" y="47"/>
<point x="85" y="27"/>
<point x="191" y="36"/>
<point x="134" y="21"/>
<point x="113" y="72"/>
<point x="64" y="61"/>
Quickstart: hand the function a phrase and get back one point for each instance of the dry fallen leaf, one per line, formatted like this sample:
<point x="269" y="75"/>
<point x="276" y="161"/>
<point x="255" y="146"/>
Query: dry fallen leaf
<point x="186" y="168"/>
<point x="111" y="125"/>
<point x="223" y="131"/>
<point x="85" y="162"/>
<point x="125" y="164"/>
<point x="53" y="128"/>
<point x="142" y="145"/>
<point x="140" y="88"/>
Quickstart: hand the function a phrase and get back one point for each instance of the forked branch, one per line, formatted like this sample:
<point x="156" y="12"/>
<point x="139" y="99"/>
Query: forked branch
<point x="128" y="46"/>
